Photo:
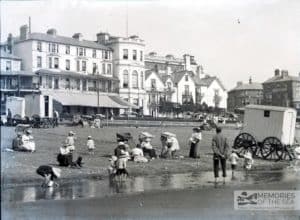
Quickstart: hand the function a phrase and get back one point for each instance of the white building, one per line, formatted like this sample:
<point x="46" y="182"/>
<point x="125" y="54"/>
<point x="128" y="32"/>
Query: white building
<point x="77" y="73"/>
<point x="129" y="67"/>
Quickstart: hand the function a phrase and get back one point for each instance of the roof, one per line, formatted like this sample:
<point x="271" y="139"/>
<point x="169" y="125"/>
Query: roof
<point x="64" y="40"/>
<point x="177" y="76"/>
<point x="149" y="72"/>
<point x="91" y="100"/>
<point x="249" y="86"/>
<point x="73" y="74"/>
<point x="282" y="79"/>
<point x="269" y="107"/>
<point x="208" y="80"/>
<point x="156" y="58"/>
<point x="4" y="54"/>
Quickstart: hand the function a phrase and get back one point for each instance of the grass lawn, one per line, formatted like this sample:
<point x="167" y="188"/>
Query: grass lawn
<point x="19" y="167"/>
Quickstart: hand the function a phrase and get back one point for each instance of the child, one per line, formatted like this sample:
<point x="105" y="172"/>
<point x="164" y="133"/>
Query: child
<point x="90" y="144"/>
<point x="121" y="165"/>
<point x="194" y="142"/>
<point x="248" y="162"/>
<point x="233" y="158"/>
<point x="49" y="173"/>
<point x="112" y="169"/>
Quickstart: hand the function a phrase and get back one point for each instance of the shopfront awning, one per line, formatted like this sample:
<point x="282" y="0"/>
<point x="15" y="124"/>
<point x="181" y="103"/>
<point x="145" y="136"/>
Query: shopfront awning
<point x="121" y="101"/>
<point x="90" y="100"/>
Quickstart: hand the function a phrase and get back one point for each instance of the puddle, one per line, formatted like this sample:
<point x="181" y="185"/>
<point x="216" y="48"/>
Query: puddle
<point x="103" y="188"/>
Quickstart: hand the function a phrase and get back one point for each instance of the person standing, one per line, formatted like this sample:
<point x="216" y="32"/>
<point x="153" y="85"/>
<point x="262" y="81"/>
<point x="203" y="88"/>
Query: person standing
<point x="220" y="150"/>
<point x="56" y="118"/>
<point x="233" y="160"/>
<point x="9" y="117"/>
<point x="70" y="141"/>
<point x="195" y="142"/>
<point x="90" y="144"/>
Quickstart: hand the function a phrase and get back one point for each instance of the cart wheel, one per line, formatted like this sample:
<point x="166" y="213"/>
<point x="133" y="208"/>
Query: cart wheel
<point x="272" y="148"/>
<point x="245" y="142"/>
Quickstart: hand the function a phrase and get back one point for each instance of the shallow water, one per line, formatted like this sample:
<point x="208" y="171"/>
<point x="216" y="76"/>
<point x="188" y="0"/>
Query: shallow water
<point x="103" y="188"/>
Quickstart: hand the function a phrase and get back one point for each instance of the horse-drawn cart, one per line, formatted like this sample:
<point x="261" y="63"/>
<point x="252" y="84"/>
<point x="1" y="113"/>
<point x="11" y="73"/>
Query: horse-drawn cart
<point x="268" y="132"/>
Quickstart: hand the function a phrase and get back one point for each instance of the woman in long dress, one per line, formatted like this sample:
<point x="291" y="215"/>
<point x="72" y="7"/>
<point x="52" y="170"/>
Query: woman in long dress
<point x="195" y="142"/>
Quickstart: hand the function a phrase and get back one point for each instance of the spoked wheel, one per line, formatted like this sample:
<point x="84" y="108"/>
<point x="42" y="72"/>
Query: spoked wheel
<point x="245" y="142"/>
<point x="272" y="149"/>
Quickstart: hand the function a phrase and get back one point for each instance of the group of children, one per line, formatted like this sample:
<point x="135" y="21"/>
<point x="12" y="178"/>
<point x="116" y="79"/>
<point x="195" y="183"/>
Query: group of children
<point x="234" y="157"/>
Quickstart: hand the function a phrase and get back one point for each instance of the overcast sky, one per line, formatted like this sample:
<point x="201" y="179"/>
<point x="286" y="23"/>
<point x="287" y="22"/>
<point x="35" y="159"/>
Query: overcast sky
<point x="267" y="37"/>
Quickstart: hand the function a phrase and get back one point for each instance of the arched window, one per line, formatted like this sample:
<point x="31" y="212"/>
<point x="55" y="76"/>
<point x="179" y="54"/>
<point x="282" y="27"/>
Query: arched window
<point x="142" y="80"/>
<point x="135" y="80"/>
<point x="125" y="79"/>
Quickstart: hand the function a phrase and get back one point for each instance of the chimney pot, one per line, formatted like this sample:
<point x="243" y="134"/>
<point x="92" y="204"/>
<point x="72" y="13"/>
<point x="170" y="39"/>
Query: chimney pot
<point x="277" y="72"/>
<point x="250" y="80"/>
<point x="52" y="32"/>
<point x="239" y="83"/>
<point x="77" y="36"/>
<point x="24" y="32"/>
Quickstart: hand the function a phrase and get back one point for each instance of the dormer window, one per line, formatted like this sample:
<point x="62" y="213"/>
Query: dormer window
<point x="186" y="78"/>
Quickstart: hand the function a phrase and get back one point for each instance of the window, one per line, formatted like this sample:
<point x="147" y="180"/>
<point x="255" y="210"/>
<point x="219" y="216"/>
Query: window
<point x="186" y="89"/>
<point x="67" y="86"/>
<point x="81" y="51"/>
<point x="142" y="80"/>
<point x="135" y="82"/>
<point x="49" y="47"/>
<point x="39" y="61"/>
<point x="67" y="49"/>
<point x="103" y="68"/>
<point x="169" y="85"/>
<point x="153" y="83"/>
<point x="109" y="72"/>
<point x="56" y="63"/>
<point x="266" y="113"/>
<point x="106" y="55"/>
<point x="67" y="64"/>
<point x="125" y="54"/>
<point x="186" y="78"/>
<point x="134" y="55"/>
<point x="54" y="48"/>
<point x="135" y="102"/>
<point x="50" y="62"/>
<point x="141" y="55"/>
<point x="83" y="66"/>
<point x="56" y="83"/>
<point x="94" y="68"/>
<point x="84" y="85"/>
<point x="125" y="79"/>
<point x="49" y="82"/>
<point x="78" y="84"/>
<point x="78" y="66"/>
<point x="8" y="65"/>
<point x="94" y="53"/>
<point x="39" y="46"/>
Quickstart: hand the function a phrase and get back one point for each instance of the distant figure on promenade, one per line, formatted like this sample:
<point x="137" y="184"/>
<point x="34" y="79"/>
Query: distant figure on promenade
<point x="233" y="158"/>
<point x="194" y="142"/>
<point x="70" y="141"/>
<point x="220" y="150"/>
<point x="90" y="145"/>
<point x="56" y="118"/>
<point x="9" y="117"/>
<point x="49" y="174"/>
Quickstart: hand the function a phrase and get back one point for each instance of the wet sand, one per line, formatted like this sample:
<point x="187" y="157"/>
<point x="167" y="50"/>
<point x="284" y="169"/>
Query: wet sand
<point x="161" y="200"/>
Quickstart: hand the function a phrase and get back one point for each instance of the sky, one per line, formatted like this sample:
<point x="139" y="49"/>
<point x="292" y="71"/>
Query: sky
<point x="231" y="39"/>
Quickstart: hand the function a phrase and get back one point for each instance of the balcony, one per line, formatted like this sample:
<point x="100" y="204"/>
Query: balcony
<point x="187" y="97"/>
<point x="169" y="90"/>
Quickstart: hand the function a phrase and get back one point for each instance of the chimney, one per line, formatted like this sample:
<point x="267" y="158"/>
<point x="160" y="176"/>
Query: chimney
<point x="199" y="71"/>
<point x="102" y="37"/>
<point x="77" y="36"/>
<point x="284" y="73"/>
<point x="52" y="32"/>
<point x="277" y="72"/>
<point x="239" y="83"/>
<point x="187" y="62"/>
<point x="250" y="80"/>
<point x="153" y="54"/>
<point x="24" y="32"/>
<point x="10" y="43"/>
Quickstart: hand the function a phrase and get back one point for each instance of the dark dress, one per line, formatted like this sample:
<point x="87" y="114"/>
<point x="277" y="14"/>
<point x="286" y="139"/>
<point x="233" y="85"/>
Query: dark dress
<point x="65" y="160"/>
<point x="46" y="170"/>
<point x="194" y="149"/>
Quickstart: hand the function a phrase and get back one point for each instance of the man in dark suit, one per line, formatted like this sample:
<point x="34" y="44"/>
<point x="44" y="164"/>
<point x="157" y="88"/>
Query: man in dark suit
<point x="220" y="149"/>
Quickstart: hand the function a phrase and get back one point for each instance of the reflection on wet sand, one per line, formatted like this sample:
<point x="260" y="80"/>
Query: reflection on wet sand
<point x="93" y="188"/>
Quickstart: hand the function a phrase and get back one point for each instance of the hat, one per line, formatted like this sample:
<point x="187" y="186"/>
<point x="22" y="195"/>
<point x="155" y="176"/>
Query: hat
<point x="248" y="155"/>
<point x="89" y="137"/>
<point x="168" y="134"/>
<point x="56" y="171"/>
<point x="71" y="133"/>
<point x="197" y="129"/>
<point x="113" y="158"/>
<point x="28" y="131"/>
<point x="146" y="135"/>
<point x="121" y="143"/>
<point x="19" y="134"/>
